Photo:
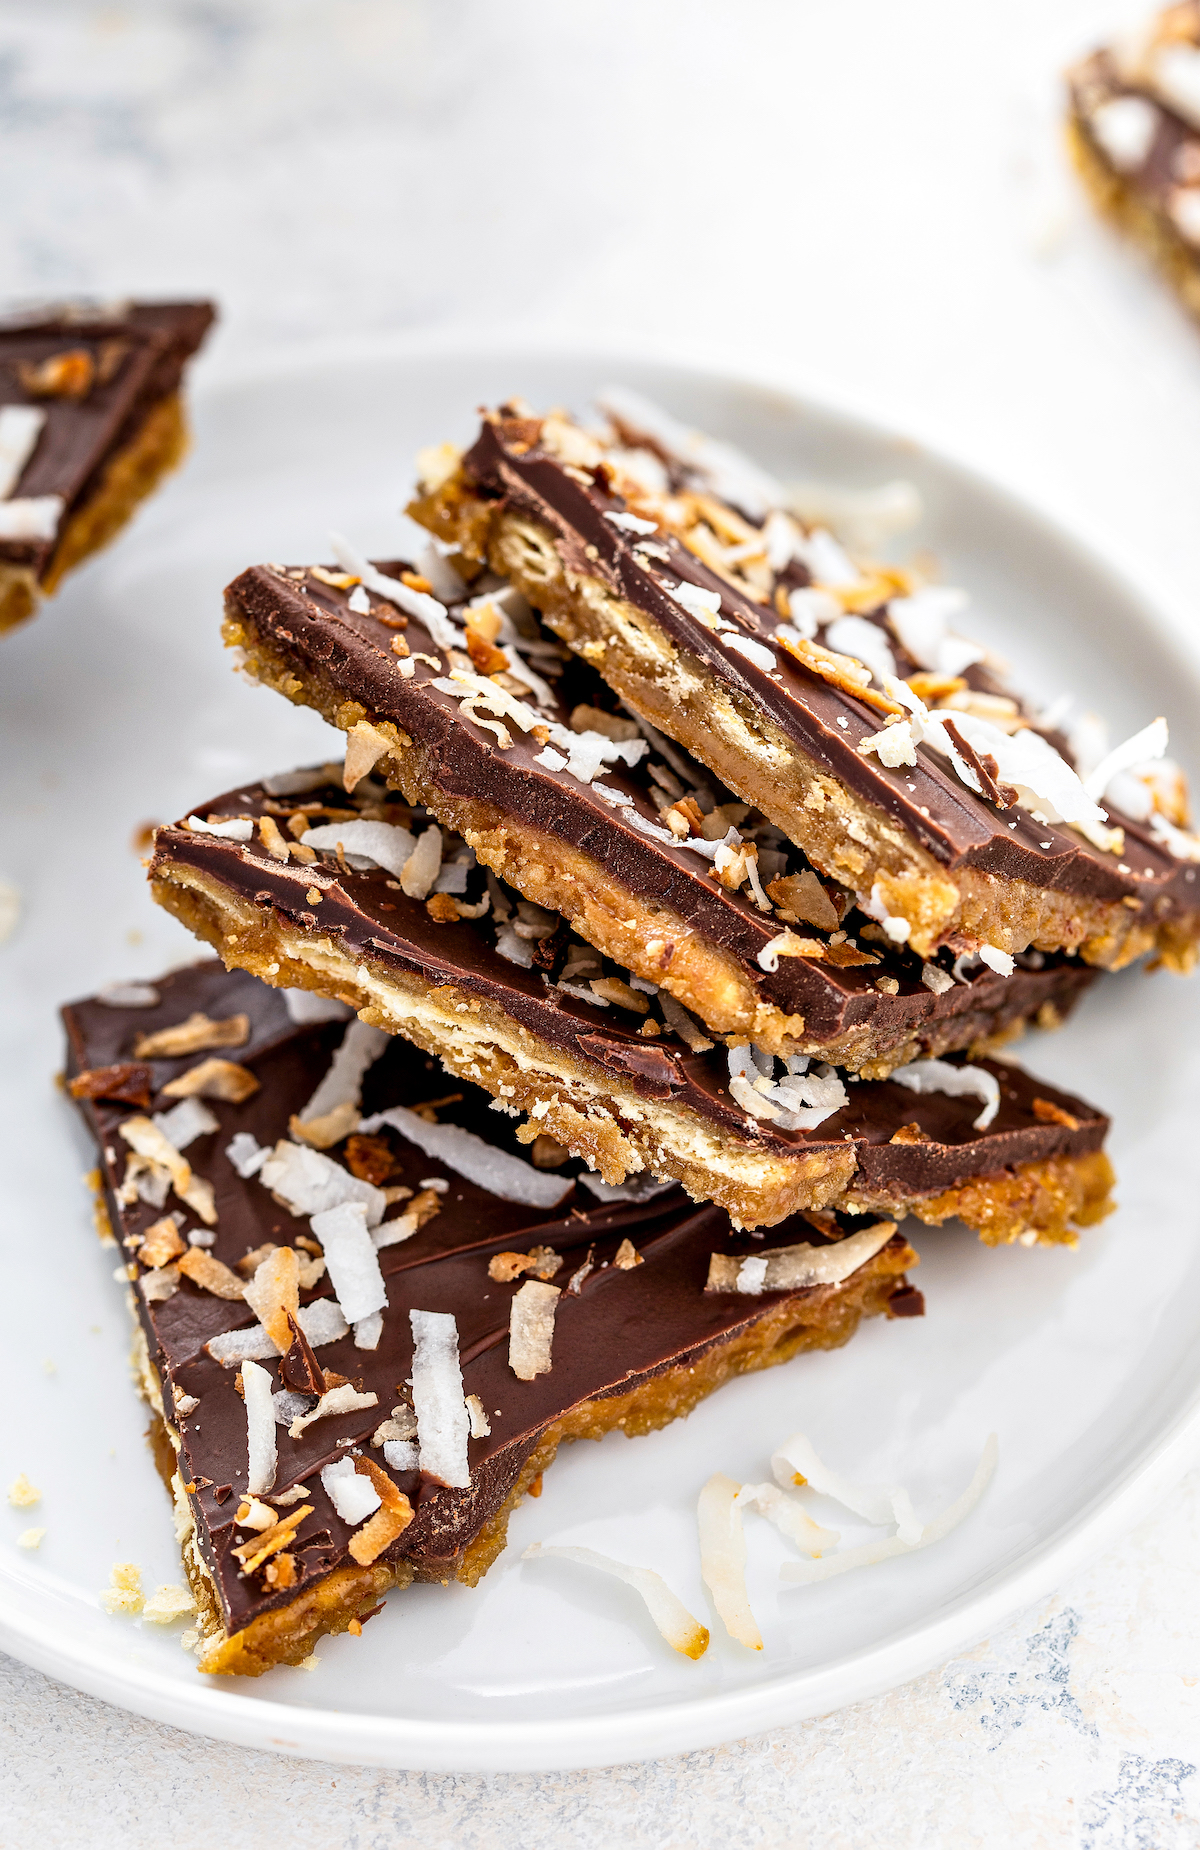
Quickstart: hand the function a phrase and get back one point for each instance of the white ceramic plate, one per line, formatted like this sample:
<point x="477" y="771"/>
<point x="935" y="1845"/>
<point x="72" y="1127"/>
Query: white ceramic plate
<point x="119" y="708"/>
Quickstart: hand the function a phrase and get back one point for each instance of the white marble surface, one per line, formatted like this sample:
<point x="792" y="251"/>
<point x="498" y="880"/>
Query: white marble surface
<point x="864" y="199"/>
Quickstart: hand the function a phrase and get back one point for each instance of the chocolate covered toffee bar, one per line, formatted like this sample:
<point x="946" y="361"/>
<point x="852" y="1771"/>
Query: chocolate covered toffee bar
<point x="646" y="856"/>
<point x="360" y="899"/>
<point x="834" y="699"/>
<point x="91" y="418"/>
<point x="1134" y="130"/>
<point x="362" y="1355"/>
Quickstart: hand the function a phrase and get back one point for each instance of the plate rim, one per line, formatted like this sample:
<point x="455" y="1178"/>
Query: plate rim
<point x="646" y="1732"/>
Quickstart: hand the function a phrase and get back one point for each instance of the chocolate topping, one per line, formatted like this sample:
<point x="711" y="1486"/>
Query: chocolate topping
<point x="311" y="626"/>
<point x="371" y="918"/>
<point x="945" y="818"/>
<point x="621" y="1327"/>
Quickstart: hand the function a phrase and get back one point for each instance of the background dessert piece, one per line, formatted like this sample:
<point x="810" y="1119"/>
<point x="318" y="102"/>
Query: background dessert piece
<point x="643" y="1324"/>
<point x="727" y="653"/>
<point x="91" y="419"/>
<point x="1134" y="132"/>
<point x="652" y="861"/>
<point x="336" y="897"/>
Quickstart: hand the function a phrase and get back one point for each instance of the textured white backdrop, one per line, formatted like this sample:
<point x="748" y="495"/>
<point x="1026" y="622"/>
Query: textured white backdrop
<point x="862" y="198"/>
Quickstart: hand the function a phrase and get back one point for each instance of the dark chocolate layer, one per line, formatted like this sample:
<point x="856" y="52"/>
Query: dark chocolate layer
<point x="138" y="354"/>
<point x="935" y="810"/>
<point x="371" y="918"/>
<point x="311" y="628"/>
<point x="620" y="1330"/>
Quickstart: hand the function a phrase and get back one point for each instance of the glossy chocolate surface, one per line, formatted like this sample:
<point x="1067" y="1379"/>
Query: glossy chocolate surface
<point x="312" y="628"/>
<point x="368" y="914"/>
<point x="621" y="1329"/>
<point x="949" y="821"/>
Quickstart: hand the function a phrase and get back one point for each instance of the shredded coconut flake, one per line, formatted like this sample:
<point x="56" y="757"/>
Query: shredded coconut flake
<point x="384" y="844"/>
<point x="682" y="1632"/>
<point x="246" y="1154"/>
<point x="185" y="1122"/>
<point x="531" y="1329"/>
<point x="305" y="1007"/>
<point x="955" y="1081"/>
<point x="352" y="1259"/>
<point x="360" y="1047"/>
<point x="723" y="1559"/>
<point x="129" y="996"/>
<point x="796" y="1462"/>
<point x="352" y="1494"/>
<point x="308" y="1183"/>
<point x="443" y="1422"/>
<point x="480" y="1162"/>
<point x="20" y="428"/>
<point x="804" y="1573"/>
<point x="789" y="1516"/>
<point x="419" y="604"/>
<point x="260" y="1428"/>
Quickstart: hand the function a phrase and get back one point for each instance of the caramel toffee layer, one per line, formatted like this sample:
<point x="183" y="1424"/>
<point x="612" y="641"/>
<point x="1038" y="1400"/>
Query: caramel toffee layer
<point x="1139" y="155"/>
<point x="619" y="1329"/>
<point x="1144" y="893"/>
<point x="356" y="918"/>
<point x="642" y="898"/>
<point x="98" y="376"/>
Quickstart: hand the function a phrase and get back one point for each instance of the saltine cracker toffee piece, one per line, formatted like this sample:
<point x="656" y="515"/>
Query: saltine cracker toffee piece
<point x="833" y="698"/>
<point x="1134" y="132"/>
<point x="91" y="419"/>
<point x="367" y="1448"/>
<point x="635" y="844"/>
<point x="360" y="899"/>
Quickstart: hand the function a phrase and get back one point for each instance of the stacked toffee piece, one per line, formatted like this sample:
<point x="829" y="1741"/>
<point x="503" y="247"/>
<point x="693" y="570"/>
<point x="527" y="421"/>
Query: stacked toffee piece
<point x="680" y="883"/>
<point x="91" y="419"/>
<point x="1134" y="131"/>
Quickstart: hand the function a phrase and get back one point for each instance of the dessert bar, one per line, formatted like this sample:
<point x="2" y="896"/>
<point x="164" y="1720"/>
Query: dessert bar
<point x="1134" y="132"/>
<point x="91" y="419"/>
<point x="358" y="898"/>
<point x="356" y="1355"/>
<point x="596" y="817"/>
<point x="833" y="698"/>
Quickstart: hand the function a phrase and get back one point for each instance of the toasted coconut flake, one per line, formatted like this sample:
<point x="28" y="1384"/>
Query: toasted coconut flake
<point x="468" y="1155"/>
<point x="531" y="1329"/>
<point x="796" y="1462"/>
<point x="351" y="1258"/>
<point x="798" y="1268"/>
<point x="627" y="1256"/>
<point x="956" y="1082"/>
<point x="480" y="1425"/>
<point x="675" y="1623"/>
<point x="195" y="1035"/>
<point x="322" y="1133"/>
<point x="260" y="1548"/>
<point x="723" y="1559"/>
<point x="273" y="1294"/>
<point x="128" y="1082"/>
<point x="443" y="1422"/>
<point x="337" y="1400"/>
<point x="428" y="610"/>
<point x="185" y="1122"/>
<point x="805" y="1573"/>
<point x="422" y="1208"/>
<point x="157" y="1286"/>
<point x="214" y="1078"/>
<point x="30" y="1538"/>
<point x="22" y="1494"/>
<point x="161" y="1243"/>
<point x="365" y="746"/>
<point x="123" y="1593"/>
<point x="390" y="1520"/>
<point x="789" y="1516"/>
<point x="129" y="996"/>
<point x="210" y="1274"/>
<point x="308" y="1183"/>
<point x="251" y="1514"/>
<point x="168" y="1604"/>
<point x="260" y="1428"/>
<point x="684" y="1025"/>
<point x="351" y="1492"/>
<point x="423" y="865"/>
<point x="785" y="944"/>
